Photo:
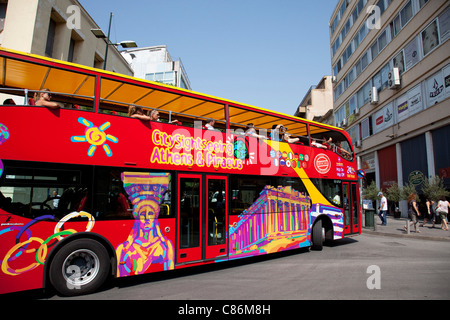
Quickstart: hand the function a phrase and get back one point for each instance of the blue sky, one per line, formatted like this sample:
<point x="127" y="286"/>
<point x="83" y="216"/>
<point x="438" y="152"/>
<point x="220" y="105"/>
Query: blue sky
<point x="258" y="52"/>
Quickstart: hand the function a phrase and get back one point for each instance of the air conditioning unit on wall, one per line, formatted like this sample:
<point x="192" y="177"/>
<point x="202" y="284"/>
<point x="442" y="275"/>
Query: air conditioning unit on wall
<point x="394" y="80"/>
<point x="373" y="95"/>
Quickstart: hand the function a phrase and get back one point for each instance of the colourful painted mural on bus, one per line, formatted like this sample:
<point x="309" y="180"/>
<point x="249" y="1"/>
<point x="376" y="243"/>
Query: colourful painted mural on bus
<point x="278" y="220"/>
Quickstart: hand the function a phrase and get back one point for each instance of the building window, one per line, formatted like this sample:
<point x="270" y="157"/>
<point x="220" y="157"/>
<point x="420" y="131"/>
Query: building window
<point x="430" y="38"/>
<point x="3" y="7"/>
<point x="98" y="61"/>
<point x="399" y="62"/>
<point x="374" y="50"/>
<point x="50" y="38"/>
<point x="382" y="41"/>
<point x="167" y="77"/>
<point x="366" y="128"/>
<point x="406" y="14"/>
<point x="422" y="3"/>
<point x="71" y="50"/>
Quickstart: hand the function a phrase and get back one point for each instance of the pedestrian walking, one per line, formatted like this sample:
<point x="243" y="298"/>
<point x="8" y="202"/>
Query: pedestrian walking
<point x="431" y="209"/>
<point x="382" y="208"/>
<point x="442" y="209"/>
<point x="413" y="213"/>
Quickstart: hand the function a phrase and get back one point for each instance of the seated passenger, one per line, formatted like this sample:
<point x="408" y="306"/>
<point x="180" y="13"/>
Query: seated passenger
<point x="251" y="131"/>
<point x="287" y="137"/>
<point x="154" y="116"/>
<point x="314" y="143"/>
<point x="9" y="102"/>
<point x="341" y="151"/>
<point x="275" y="133"/>
<point x="137" y="112"/>
<point x="43" y="98"/>
<point x="210" y="124"/>
<point x="327" y="143"/>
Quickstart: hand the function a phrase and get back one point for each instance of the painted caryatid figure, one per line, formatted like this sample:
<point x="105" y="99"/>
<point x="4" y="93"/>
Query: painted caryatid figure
<point x="146" y="246"/>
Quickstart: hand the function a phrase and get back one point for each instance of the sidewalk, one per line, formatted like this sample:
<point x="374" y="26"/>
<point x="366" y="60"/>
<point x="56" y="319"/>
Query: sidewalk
<point x="394" y="228"/>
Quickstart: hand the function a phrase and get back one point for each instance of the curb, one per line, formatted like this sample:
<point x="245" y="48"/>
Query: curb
<point x="406" y="236"/>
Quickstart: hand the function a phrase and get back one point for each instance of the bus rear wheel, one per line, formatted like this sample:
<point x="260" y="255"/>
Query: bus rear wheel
<point x="317" y="236"/>
<point x="79" y="267"/>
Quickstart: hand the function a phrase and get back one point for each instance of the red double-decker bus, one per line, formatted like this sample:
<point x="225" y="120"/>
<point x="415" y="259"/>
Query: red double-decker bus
<point x="103" y="174"/>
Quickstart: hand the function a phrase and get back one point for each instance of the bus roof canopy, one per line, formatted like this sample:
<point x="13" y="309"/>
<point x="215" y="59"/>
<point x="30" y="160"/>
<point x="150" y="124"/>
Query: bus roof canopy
<point x="77" y="83"/>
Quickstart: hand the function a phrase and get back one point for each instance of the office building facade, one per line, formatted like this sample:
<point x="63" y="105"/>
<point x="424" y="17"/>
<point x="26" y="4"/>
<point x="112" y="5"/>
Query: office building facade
<point x="156" y="64"/>
<point x="391" y="86"/>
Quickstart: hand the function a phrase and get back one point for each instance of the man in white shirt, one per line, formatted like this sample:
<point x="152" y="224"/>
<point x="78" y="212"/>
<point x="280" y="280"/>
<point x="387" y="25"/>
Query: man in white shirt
<point x="382" y="209"/>
<point x="210" y="124"/>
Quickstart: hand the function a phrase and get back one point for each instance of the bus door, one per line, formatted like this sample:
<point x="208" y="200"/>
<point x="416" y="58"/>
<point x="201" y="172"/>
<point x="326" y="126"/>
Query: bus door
<point x="202" y="204"/>
<point x="216" y="216"/>
<point x="351" y="207"/>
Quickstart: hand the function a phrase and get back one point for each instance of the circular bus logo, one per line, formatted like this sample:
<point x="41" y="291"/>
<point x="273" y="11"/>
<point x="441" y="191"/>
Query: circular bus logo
<point x="322" y="163"/>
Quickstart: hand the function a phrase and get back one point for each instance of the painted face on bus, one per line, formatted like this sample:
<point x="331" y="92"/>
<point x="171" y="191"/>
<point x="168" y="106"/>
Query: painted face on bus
<point x="146" y="211"/>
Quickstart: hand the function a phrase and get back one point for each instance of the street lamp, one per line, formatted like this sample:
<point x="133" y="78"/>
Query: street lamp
<point x="98" y="33"/>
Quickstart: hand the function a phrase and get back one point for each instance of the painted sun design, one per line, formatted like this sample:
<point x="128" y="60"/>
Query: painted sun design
<point x="95" y="136"/>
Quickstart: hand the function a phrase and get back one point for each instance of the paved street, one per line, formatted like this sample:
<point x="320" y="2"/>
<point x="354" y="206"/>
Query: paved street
<point x="401" y="267"/>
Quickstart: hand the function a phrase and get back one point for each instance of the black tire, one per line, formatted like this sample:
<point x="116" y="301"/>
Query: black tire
<point x="79" y="267"/>
<point x="317" y="238"/>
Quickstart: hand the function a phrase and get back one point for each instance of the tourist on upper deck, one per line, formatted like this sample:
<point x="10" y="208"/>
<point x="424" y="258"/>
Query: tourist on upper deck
<point x="316" y="144"/>
<point x="43" y="98"/>
<point x="154" y="116"/>
<point x="327" y="143"/>
<point x="251" y="131"/>
<point x="137" y="112"/>
<point x="9" y="102"/>
<point x="210" y="124"/>
<point x="287" y="136"/>
<point x="275" y="133"/>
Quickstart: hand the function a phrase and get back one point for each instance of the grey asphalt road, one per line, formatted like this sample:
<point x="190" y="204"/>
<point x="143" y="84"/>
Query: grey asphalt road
<point x="360" y="268"/>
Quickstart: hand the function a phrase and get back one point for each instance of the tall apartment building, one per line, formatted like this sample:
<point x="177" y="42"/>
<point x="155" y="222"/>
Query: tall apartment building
<point x="59" y="29"/>
<point x="391" y="71"/>
<point x="156" y="64"/>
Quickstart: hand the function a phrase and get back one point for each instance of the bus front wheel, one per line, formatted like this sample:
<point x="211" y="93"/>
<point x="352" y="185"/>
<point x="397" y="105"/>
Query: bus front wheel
<point x="317" y="236"/>
<point x="80" y="267"/>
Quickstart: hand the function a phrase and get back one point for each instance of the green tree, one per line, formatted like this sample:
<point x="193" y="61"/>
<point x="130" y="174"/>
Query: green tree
<point x="371" y="192"/>
<point x="434" y="189"/>
<point x="393" y="193"/>
<point x="407" y="190"/>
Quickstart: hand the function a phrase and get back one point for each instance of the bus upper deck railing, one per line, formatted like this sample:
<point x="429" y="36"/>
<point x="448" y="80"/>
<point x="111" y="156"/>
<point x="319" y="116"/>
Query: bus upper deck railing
<point x="119" y="108"/>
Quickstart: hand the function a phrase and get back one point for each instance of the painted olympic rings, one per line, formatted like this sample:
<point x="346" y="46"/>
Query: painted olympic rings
<point x="41" y="252"/>
<point x="72" y="215"/>
<point x="5" y="266"/>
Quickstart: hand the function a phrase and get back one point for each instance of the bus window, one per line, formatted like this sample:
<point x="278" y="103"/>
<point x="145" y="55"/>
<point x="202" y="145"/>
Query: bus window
<point x="290" y="188"/>
<point x="112" y="201"/>
<point x="35" y="191"/>
<point x="331" y="140"/>
<point x="330" y="189"/>
<point x="245" y="190"/>
<point x="295" y="183"/>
